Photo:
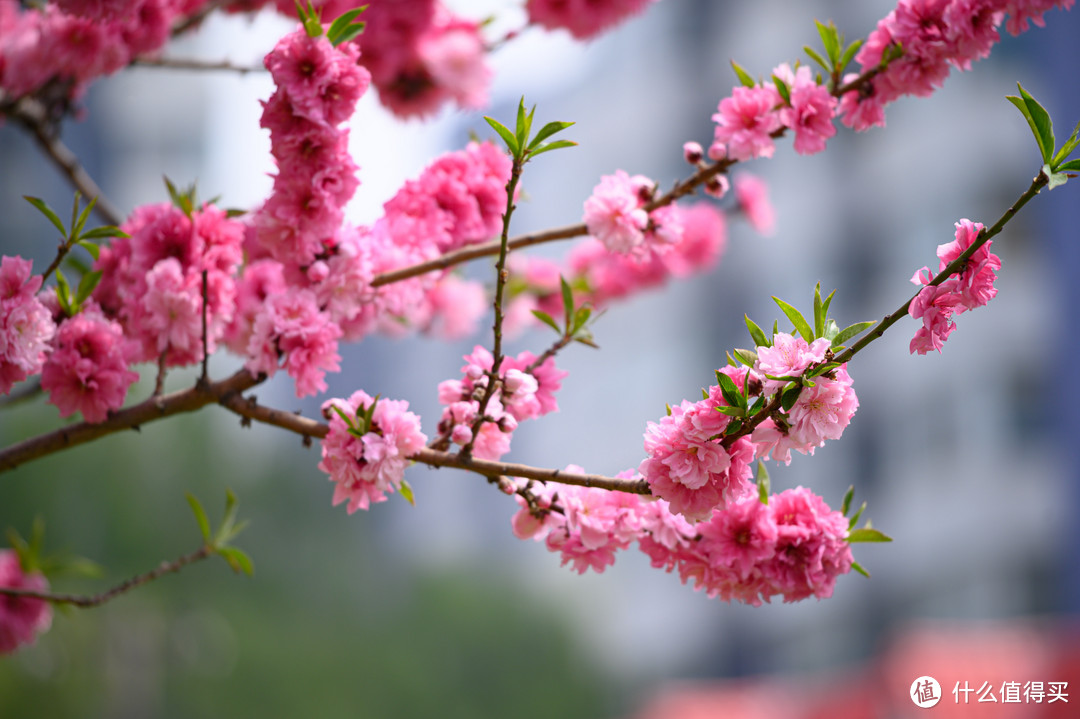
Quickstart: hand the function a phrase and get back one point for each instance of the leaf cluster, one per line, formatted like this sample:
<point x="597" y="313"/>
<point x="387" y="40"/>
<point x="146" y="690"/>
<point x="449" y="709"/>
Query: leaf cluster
<point x="219" y="542"/>
<point x="1056" y="163"/>
<point x="575" y="318"/>
<point x="343" y="29"/>
<point x="519" y="144"/>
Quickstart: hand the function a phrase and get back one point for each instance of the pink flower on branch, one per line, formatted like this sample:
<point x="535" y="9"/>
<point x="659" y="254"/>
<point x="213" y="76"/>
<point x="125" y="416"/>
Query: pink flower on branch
<point x="26" y="325"/>
<point x="21" y="618"/>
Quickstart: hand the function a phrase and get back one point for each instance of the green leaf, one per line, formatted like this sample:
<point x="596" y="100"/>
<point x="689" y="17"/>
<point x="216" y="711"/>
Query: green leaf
<point x="344" y="417"/>
<point x="796" y="318"/>
<point x="48" y="212"/>
<point x="1070" y="166"/>
<point x="90" y="247"/>
<point x="102" y="232"/>
<point x="547" y="131"/>
<point x="77" y="228"/>
<point x="782" y="88"/>
<point x="855" y="517"/>
<point x="350" y="33"/>
<point x="747" y="357"/>
<point x="831" y="330"/>
<point x="86" y="285"/>
<point x="743" y="75"/>
<point x="822" y="369"/>
<point x="831" y="42"/>
<point x="730" y="411"/>
<point x="505" y="134"/>
<point x="587" y="339"/>
<point x="1068" y="147"/>
<point x="756" y="333"/>
<point x="556" y="145"/>
<point x="848" y="55"/>
<point x="848" y="496"/>
<point x="342" y="25"/>
<point x="581" y="316"/>
<point x="63" y="293"/>
<point x="817" y="57"/>
<point x="852" y="331"/>
<point x="1038" y="120"/>
<point x="547" y="320"/>
<point x="859" y="568"/>
<point x="790" y="397"/>
<point x="521" y="123"/>
<point x="867" y="535"/>
<point x="407" y="492"/>
<point x="756" y="407"/>
<point x="819" y="312"/>
<point x="729" y="391"/>
<point x="763" y="483"/>
<point x="567" y="300"/>
<point x="200" y="516"/>
<point x="237" y="559"/>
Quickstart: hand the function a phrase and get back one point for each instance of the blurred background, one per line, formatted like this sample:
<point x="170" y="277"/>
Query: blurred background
<point x="966" y="458"/>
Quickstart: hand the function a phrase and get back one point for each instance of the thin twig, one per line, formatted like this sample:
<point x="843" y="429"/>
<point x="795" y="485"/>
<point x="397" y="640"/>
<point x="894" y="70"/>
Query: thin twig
<point x="204" y="378"/>
<point x="32" y="115"/>
<point x="87" y="601"/>
<point x="191" y="63"/>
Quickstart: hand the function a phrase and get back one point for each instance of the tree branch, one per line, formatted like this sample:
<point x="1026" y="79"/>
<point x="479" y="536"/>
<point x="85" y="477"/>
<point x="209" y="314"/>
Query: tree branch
<point x="189" y="63"/>
<point x="138" y="580"/>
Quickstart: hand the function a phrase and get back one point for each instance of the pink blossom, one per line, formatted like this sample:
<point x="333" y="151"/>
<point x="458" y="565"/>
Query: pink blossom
<point x="456" y="307"/>
<point x="173" y="308"/>
<point x="692" y="152"/>
<point x="614" y="212"/>
<point x="292" y="330"/>
<point x="746" y="120"/>
<point x="752" y="194"/>
<point x="811" y="549"/>
<point x="823" y="411"/>
<point x="323" y="82"/>
<point x="26" y="325"/>
<point x="742" y="536"/>
<point x="260" y="280"/>
<point x="87" y="370"/>
<point x="366" y="465"/>
<point x="810" y="111"/>
<point x="788" y="356"/>
<point x="455" y="56"/>
<point x="21" y="618"/>
<point x="583" y="18"/>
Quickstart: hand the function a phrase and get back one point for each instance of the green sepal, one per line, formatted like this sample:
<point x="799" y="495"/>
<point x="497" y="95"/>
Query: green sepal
<point x="547" y="320"/>
<point x="848" y="496"/>
<point x="407" y="492"/>
<point x="547" y="131"/>
<point x="859" y="568"/>
<point x="238" y="560"/>
<point x="801" y="325"/>
<point x="790" y="397"/>
<point x="763" y="484"/>
<point x="200" y="516"/>
<point x="867" y="535"/>
<point x="505" y="134"/>
<point x="48" y="212"/>
<point x="851" y="331"/>
<point x="743" y="75"/>
<point x="756" y="333"/>
<point x="556" y="145"/>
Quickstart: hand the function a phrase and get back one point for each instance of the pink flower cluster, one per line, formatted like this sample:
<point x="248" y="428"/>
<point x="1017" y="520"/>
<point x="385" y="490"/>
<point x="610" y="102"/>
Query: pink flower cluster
<point x="26" y="325"/>
<point x="21" y="618"/>
<point x="615" y="214"/>
<point x="752" y="194"/>
<point x="366" y="465"/>
<point x="421" y="55"/>
<point x="794" y="547"/>
<point x="583" y="18"/>
<point x="523" y="392"/>
<point x="87" y="370"/>
<point x="599" y="276"/>
<point x="749" y="119"/>
<point x="688" y="464"/>
<point x="318" y="86"/>
<point x="77" y="41"/>
<point x="935" y="36"/>
<point x="971" y="287"/>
